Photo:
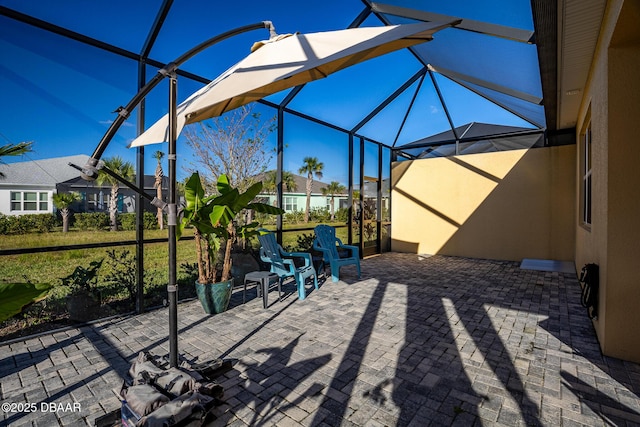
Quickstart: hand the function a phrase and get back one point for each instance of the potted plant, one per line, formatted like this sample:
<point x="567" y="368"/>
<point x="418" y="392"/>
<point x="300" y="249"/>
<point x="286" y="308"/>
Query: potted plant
<point x="83" y="300"/>
<point x="216" y="230"/>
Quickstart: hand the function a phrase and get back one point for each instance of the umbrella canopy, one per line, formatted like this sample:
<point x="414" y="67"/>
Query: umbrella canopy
<point x="287" y="62"/>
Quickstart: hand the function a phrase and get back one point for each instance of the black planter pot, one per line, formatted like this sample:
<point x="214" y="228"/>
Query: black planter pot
<point x="82" y="306"/>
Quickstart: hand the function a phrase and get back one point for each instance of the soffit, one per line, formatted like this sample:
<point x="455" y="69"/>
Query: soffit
<point x="579" y="24"/>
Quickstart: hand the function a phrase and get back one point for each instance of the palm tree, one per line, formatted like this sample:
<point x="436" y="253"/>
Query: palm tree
<point x="158" y="155"/>
<point x="126" y="171"/>
<point x="310" y="166"/>
<point x="14" y="150"/>
<point x="62" y="201"/>
<point x="288" y="182"/>
<point x="331" y="190"/>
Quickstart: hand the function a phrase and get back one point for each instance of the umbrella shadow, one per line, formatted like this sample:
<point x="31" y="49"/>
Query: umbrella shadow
<point x="270" y="377"/>
<point x="431" y="380"/>
<point x="609" y="410"/>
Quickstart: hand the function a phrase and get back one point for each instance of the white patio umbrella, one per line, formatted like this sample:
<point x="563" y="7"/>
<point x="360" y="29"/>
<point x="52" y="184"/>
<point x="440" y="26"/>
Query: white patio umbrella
<point x="286" y="62"/>
<point x="274" y="65"/>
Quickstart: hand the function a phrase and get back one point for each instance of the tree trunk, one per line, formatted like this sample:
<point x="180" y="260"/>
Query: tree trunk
<point x="65" y="219"/>
<point x="159" y="215"/>
<point x="226" y="267"/>
<point x="113" y="208"/>
<point x="308" y="208"/>
<point x="201" y="277"/>
<point x="333" y="217"/>
<point x="158" y="185"/>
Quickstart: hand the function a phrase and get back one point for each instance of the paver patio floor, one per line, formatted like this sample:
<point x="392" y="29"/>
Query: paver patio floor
<point x="416" y="341"/>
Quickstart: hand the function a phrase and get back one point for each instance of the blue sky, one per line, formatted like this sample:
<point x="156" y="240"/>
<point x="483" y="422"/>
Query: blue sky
<point x="61" y="94"/>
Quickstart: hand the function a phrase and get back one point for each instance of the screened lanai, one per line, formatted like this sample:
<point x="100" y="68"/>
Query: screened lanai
<point x="66" y="73"/>
<point x="475" y="87"/>
<point x="482" y="116"/>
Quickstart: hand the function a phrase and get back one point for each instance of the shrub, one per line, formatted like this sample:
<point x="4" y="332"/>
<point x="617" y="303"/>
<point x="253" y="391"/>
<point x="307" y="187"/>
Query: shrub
<point x="342" y="215"/>
<point x="5" y="224"/>
<point x="294" y="217"/>
<point x="319" y="215"/>
<point x="42" y="223"/>
<point x="128" y="221"/>
<point x="121" y="272"/>
<point x="265" y="219"/>
<point x="91" y="221"/>
<point x="23" y="224"/>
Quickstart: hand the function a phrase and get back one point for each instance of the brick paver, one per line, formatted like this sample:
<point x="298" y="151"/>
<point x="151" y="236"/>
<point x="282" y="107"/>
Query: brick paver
<point x="417" y="341"/>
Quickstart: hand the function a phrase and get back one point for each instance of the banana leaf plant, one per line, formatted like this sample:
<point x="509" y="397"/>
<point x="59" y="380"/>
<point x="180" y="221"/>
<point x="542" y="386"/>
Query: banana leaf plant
<point x="15" y="297"/>
<point x="215" y="222"/>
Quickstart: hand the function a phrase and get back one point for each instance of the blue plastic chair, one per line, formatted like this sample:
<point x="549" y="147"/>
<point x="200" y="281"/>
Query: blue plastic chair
<point x="282" y="262"/>
<point x="334" y="252"/>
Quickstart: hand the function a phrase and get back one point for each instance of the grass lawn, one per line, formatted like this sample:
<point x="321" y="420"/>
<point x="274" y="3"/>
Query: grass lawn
<point x="50" y="267"/>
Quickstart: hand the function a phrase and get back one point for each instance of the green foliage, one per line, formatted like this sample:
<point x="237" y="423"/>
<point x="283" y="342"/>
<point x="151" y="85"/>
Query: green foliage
<point x="38" y="268"/>
<point x="64" y="200"/>
<point x="14" y="150"/>
<point x="304" y="243"/>
<point x="91" y="221"/>
<point x="342" y="215"/>
<point x="265" y="219"/>
<point x="294" y="217"/>
<point x="188" y="273"/>
<point x="318" y="214"/>
<point x="41" y="223"/>
<point x="215" y="221"/>
<point x="128" y="221"/>
<point x="14" y="297"/>
<point x="121" y="272"/>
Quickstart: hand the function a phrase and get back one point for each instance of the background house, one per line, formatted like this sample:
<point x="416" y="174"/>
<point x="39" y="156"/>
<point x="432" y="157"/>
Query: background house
<point x="296" y="199"/>
<point x="28" y="188"/>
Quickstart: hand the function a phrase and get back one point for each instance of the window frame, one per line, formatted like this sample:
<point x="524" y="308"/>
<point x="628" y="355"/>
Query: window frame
<point x="586" y="173"/>
<point x="288" y="202"/>
<point x="21" y="201"/>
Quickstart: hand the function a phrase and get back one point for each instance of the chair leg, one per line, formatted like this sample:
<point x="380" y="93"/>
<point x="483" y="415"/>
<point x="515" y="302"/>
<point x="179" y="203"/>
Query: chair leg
<point x="315" y="280"/>
<point x="244" y="292"/>
<point x="335" y="273"/>
<point x="302" y="294"/>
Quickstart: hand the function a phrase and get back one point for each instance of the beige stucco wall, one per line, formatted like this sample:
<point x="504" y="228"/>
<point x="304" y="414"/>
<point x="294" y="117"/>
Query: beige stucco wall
<point x="613" y="240"/>
<point x="507" y="205"/>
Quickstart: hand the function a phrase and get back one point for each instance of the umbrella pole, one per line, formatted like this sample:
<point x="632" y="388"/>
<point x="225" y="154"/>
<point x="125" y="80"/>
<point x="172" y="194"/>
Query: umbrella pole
<point x="172" y="222"/>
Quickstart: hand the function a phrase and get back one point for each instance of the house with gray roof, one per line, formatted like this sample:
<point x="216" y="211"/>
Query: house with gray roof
<point x="295" y="199"/>
<point x="28" y="187"/>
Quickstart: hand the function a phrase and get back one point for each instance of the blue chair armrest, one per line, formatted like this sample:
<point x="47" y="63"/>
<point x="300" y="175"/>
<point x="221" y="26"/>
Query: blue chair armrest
<point x="304" y="255"/>
<point x="263" y="256"/>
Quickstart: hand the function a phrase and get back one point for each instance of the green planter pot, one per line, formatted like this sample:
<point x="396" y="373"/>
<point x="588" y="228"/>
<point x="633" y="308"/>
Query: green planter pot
<point x="214" y="297"/>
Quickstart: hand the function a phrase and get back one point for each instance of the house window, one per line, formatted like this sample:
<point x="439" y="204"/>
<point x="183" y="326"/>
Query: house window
<point x="16" y="201"/>
<point x="290" y="204"/>
<point x="29" y="201"/>
<point x="44" y="202"/>
<point x="585" y="170"/>
<point x="90" y="200"/>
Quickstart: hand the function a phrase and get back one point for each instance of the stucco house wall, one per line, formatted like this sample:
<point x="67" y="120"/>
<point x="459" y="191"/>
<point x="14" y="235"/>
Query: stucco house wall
<point x="505" y="205"/>
<point x="611" y="102"/>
